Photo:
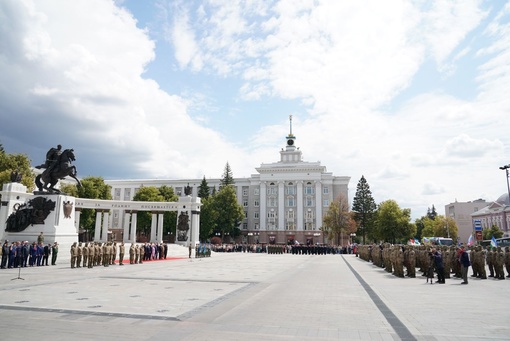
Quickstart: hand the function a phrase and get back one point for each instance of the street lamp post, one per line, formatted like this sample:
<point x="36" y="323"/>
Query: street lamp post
<point x="505" y="168"/>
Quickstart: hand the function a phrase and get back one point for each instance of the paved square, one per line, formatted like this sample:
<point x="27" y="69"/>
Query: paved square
<point x="241" y="296"/>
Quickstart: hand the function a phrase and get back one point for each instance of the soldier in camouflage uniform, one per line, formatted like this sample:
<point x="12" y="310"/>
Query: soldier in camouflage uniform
<point x="399" y="261"/>
<point x="85" y="254"/>
<point x="92" y="255"/>
<point x="79" y="249"/>
<point x="499" y="263"/>
<point x="490" y="261"/>
<point x="447" y="262"/>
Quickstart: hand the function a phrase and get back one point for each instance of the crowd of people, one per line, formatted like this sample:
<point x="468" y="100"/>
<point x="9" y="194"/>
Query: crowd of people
<point x="295" y="249"/>
<point x="445" y="261"/>
<point x="21" y="254"/>
<point x="88" y="255"/>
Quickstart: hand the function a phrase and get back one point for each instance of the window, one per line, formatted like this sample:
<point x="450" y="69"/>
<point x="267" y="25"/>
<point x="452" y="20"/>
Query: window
<point x="245" y="202"/>
<point x="291" y="202"/>
<point x="271" y="202"/>
<point x="290" y="226"/>
<point x="309" y="202"/>
<point x="325" y="203"/>
<point x="325" y="190"/>
<point x="245" y="214"/>
<point x="245" y="226"/>
<point x="256" y="215"/>
<point x="256" y="226"/>
<point x="245" y="192"/>
<point x="256" y="191"/>
<point x="256" y="203"/>
<point x="290" y="215"/>
<point x="291" y="190"/>
<point x="309" y="188"/>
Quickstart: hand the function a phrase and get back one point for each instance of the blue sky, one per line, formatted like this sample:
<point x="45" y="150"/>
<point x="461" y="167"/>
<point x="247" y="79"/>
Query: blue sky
<point x="411" y="94"/>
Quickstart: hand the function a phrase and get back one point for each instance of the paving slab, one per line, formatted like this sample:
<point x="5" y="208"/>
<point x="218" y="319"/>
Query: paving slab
<point x="246" y="296"/>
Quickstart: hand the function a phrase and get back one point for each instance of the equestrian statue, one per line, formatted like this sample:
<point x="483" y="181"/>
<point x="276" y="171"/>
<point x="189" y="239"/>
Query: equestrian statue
<point x="56" y="167"/>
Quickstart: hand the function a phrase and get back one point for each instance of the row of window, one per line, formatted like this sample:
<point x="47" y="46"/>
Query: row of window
<point x="290" y="202"/>
<point x="288" y="227"/>
<point x="272" y="189"/>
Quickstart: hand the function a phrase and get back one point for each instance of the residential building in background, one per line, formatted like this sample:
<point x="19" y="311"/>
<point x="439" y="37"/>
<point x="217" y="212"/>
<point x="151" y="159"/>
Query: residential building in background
<point x="461" y="213"/>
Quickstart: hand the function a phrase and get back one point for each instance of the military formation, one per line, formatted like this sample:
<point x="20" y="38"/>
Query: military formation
<point x="405" y="260"/>
<point x="88" y="255"/>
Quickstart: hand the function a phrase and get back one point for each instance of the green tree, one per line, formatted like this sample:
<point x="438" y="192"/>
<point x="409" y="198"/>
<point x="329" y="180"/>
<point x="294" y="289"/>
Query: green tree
<point x="338" y="221"/>
<point x="91" y="188"/>
<point x="392" y="223"/>
<point x="208" y="218"/>
<point x="364" y="207"/>
<point x="19" y="163"/>
<point x="203" y="189"/>
<point x="427" y="229"/>
<point x="431" y="212"/>
<point x="493" y="231"/>
<point x="169" y="218"/>
<point x="229" y="213"/>
<point x="445" y="227"/>
<point x="227" y="178"/>
<point x="144" y="219"/>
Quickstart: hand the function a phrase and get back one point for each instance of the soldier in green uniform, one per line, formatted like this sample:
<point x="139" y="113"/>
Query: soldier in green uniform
<point x="79" y="255"/>
<point x="122" y="249"/>
<point x="132" y="253"/>
<point x="74" y="254"/>
<point x="92" y="255"/>
<point x="54" y="253"/>
<point x="85" y="254"/>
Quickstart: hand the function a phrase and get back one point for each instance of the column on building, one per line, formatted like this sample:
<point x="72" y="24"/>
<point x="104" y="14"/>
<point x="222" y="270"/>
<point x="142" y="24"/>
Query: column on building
<point x="97" y="230"/>
<point x="318" y="205"/>
<point x="299" y="206"/>
<point x="77" y="215"/>
<point x="104" y="236"/>
<point x="281" y="205"/>
<point x="263" y="206"/>
<point x="154" y="224"/>
<point x="132" y="233"/>
<point x="159" y="237"/>
<point x="127" y="222"/>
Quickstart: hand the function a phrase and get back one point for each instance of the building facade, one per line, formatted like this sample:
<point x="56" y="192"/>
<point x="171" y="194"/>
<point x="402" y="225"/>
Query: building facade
<point x="461" y="213"/>
<point x="284" y="202"/>
<point x="496" y="213"/>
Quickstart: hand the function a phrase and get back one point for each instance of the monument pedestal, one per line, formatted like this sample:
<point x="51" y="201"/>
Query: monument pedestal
<point x="58" y="226"/>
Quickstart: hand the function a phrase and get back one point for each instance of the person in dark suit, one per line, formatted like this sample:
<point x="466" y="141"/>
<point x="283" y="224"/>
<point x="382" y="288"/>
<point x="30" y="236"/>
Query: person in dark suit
<point x="46" y="254"/>
<point x="464" y="264"/>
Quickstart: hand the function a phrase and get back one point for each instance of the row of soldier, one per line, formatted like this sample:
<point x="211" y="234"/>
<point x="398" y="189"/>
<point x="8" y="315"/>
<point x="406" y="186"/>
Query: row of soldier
<point x="95" y="253"/>
<point x="394" y="258"/>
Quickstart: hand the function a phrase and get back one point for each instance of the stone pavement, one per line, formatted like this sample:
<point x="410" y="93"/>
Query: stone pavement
<point x="242" y="296"/>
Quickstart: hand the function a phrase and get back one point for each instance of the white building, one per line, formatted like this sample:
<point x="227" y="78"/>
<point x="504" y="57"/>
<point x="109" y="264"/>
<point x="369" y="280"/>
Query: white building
<point x="284" y="202"/>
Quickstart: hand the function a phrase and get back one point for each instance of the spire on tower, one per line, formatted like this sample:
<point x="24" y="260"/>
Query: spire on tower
<point x="290" y="119"/>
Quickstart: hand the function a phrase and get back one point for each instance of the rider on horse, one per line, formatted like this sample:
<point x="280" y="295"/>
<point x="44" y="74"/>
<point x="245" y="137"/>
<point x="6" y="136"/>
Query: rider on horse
<point x="51" y="159"/>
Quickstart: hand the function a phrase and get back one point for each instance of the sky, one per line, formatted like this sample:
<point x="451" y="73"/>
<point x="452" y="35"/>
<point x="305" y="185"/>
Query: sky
<point x="412" y="95"/>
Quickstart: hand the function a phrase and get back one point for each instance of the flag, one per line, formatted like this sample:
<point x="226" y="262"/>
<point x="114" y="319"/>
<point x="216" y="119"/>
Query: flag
<point x="416" y="242"/>
<point x="494" y="243"/>
<point x="411" y="242"/>
<point x="470" y="240"/>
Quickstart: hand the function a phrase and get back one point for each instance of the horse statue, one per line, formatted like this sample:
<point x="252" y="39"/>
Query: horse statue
<point x="61" y="168"/>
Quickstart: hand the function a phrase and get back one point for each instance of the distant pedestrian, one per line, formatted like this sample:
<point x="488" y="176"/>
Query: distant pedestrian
<point x="464" y="264"/>
<point x="438" y="261"/>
